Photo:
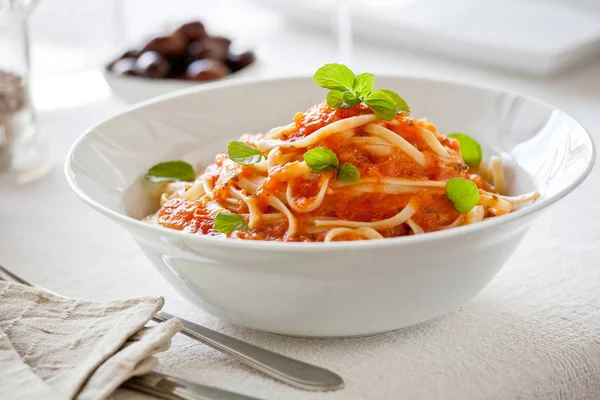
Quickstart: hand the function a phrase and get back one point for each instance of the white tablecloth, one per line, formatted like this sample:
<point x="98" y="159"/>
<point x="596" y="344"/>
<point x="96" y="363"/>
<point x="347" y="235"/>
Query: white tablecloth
<point x="534" y="333"/>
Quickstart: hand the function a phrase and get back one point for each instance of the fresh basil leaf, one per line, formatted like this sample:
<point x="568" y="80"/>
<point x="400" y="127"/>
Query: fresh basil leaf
<point x="226" y="222"/>
<point x="321" y="159"/>
<point x="351" y="99"/>
<point x="243" y="153"/>
<point x="469" y="149"/>
<point x="171" y="171"/>
<point x="363" y="84"/>
<point x="334" y="77"/>
<point x="382" y="104"/>
<point x="400" y="103"/>
<point x="463" y="193"/>
<point x="334" y="99"/>
<point x="348" y="173"/>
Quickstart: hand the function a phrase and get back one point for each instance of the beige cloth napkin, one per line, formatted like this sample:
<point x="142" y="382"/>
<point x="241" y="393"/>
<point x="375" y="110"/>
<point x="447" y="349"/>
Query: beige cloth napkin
<point x="52" y="347"/>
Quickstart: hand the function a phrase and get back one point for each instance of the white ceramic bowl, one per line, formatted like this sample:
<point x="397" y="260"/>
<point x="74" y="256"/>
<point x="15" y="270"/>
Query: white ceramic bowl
<point x="134" y="89"/>
<point x="326" y="289"/>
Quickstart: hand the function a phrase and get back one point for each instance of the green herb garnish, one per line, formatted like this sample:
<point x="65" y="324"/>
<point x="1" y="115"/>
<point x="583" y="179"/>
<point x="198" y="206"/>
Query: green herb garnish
<point x="243" y="153"/>
<point x="171" y="171"/>
<point x="382" y="104"/>
<point x="347" y="90"/>
<point x="469" y="148"/>
<point x="348" y="173"/>
<point x="463" y="193"/>
<point x="335" y="77"/>
<point x="226" y="222"/>
<point x="363" y="84"/>
<point x="321" y="159"/>
<point x="335" y="99"/>
<point x="400" y="103"/>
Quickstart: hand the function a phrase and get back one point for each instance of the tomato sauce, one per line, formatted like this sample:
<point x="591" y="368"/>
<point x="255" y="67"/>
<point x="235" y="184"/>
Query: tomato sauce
<point x="433" y="209"/>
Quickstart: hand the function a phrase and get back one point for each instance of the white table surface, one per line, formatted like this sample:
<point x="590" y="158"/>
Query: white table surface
<point x="53" y="239"/>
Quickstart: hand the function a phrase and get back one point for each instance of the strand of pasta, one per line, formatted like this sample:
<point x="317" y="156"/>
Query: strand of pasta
<point x="494" y="201"/>
<point x="394" y="221"/>
<point x="262" y="166"/>
<point x="319" y="134"/>
<point x="457" y="222"/>
<point x="207" y="184"/>
<point x="397" y="140"/>
<point x="433" y="142"/>
<point x="402" y="182"/>
<point x="314" y="203"/>
<point x="295" y="169"/>
<point x="391" y="185"/>
<point x="195" y="192"/>
<point x="387" y="189"/>
<point x="255" y="214"/>
<point x="368" y="233"/>
<point x="276" y="133"/>
<point x="248" y="185"/>
<point x="522" y="198"/>
<point x="269" y="217"/>
<point x="415" y="227"/>
<point x="375" y="145"/>
<point x="276" y="157"/>
<point x="475" y="215"/>
<point x="277" y="204"/>
<point x="497" y="174"/>
<point x="378" y="150"/>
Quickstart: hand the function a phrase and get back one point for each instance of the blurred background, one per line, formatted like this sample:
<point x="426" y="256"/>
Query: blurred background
<point x="76" y="62"/>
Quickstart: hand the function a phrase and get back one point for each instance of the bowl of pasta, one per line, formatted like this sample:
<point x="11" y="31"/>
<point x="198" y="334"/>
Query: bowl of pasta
<point x="329" y="206"/>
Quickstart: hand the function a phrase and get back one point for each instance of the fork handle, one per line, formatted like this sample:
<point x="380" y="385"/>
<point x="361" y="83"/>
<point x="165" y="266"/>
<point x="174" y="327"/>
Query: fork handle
<point x="288" y="370"/>
<point x="173" y="388"/>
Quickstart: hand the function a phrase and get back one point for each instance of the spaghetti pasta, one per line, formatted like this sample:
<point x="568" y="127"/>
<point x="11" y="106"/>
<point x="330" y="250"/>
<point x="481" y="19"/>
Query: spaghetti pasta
<point x="338" y="174"/>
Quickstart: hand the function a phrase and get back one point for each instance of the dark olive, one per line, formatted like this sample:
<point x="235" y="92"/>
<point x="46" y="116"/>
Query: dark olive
<point x="192" y="30"/>
<point x="196" y="51"/>
<point x="222" y="40"/>
<point x="238" y="61"/>
<point x="152" y="65"/>
<point x="214" y="49"/>
<point x="124" y="66"/>
<point x="206" y="70"/>
<point x="132" y="53"/>
<point x="167" y="46"/>
<point x="178" y="64"/>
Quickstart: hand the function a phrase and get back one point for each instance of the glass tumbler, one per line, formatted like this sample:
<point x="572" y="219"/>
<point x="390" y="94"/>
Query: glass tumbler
<point x="23" y="149"/>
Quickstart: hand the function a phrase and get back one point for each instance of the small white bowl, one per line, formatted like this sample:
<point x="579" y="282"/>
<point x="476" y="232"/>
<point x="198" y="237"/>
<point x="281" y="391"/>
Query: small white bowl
<point x="134" y="89"/>
<point x="326" y="289"/>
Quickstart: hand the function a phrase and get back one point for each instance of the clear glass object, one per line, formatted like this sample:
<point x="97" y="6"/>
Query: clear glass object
<point x="23" y="147"/>
<point x="344" y="31"/>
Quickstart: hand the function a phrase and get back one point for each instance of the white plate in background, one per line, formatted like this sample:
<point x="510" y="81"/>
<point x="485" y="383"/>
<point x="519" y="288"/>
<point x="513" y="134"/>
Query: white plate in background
<point x="531" y="37"/>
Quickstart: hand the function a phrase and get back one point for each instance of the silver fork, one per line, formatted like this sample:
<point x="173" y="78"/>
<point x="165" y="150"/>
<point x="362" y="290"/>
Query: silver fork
<point x="285" y="369"/>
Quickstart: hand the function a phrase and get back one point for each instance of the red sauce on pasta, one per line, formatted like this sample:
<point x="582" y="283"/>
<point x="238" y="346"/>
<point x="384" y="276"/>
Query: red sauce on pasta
<point x="267" y="194"/>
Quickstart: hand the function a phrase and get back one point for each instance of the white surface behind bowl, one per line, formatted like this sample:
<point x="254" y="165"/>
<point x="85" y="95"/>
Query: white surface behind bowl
<point x="325" y="289"/>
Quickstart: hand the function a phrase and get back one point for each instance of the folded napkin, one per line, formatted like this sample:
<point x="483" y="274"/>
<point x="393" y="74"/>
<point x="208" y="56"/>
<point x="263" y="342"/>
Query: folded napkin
<point x="52" y="347"/>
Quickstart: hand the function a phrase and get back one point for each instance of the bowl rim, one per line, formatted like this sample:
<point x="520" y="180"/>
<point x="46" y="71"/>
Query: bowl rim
<point x="276" y="246"/>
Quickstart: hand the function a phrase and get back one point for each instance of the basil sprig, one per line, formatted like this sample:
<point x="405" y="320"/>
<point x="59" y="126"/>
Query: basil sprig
<point x="243" y="153"/>
<point x="463" y="193"/>
<point x="347" y="90"/>
<point x="321" y="159"/>
<point x="227" y="222"/>
<point x="469" y="149"/>
<point x="171" y="171"/>
<point x="348" y="173"/>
